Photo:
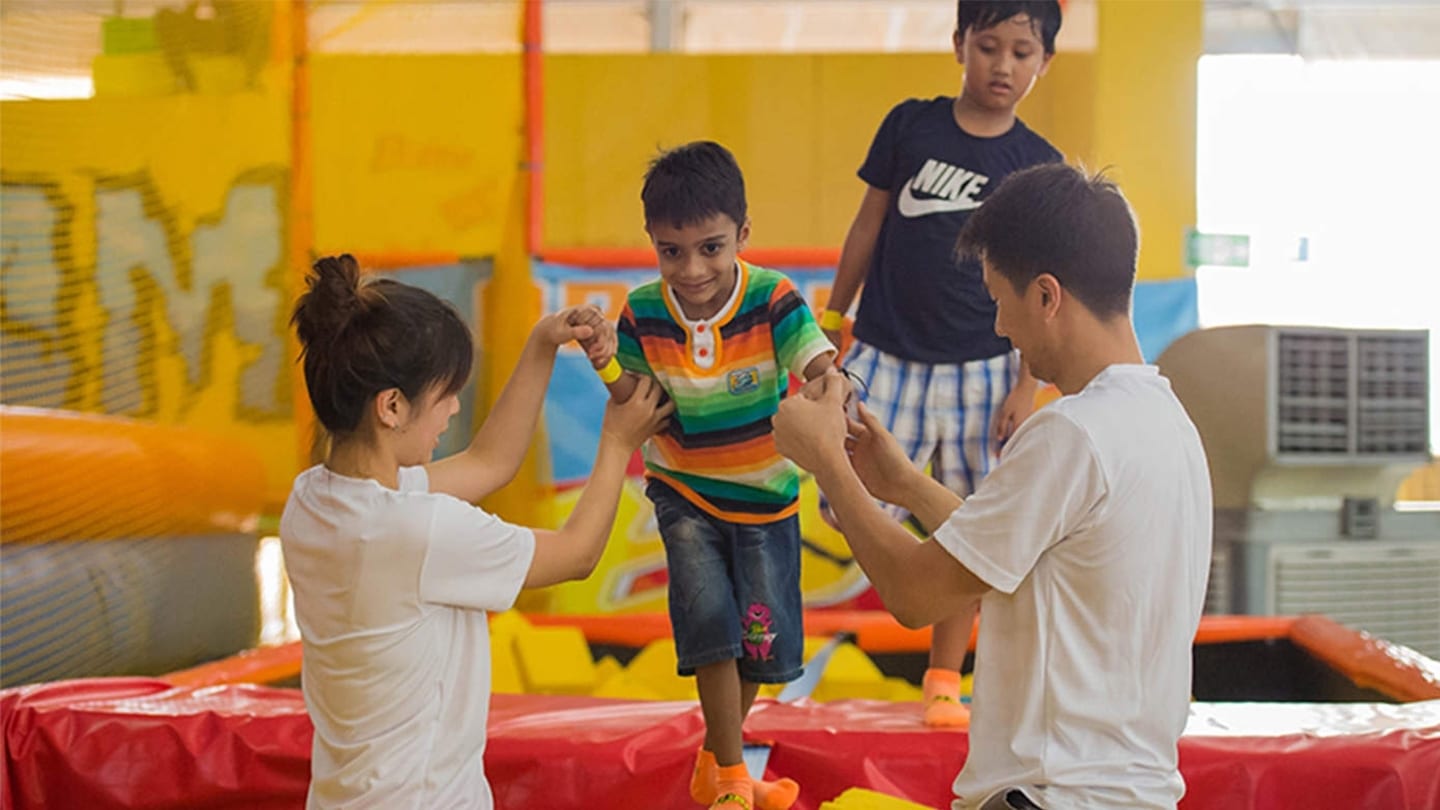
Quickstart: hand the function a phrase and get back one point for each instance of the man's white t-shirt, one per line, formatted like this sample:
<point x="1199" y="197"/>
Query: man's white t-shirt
<point x="391" y="589"/>
<point x="1094" y="532"/>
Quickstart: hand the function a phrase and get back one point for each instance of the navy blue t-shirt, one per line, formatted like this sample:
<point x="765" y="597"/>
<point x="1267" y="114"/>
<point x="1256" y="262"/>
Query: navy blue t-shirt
<point x="920" y="302"/>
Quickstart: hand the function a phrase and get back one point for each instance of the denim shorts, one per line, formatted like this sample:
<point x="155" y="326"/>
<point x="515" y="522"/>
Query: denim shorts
<point x="734" y="590"/>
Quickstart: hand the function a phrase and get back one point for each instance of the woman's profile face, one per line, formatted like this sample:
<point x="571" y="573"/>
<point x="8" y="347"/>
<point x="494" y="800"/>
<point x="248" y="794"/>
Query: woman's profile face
<point x="428" y="419"/>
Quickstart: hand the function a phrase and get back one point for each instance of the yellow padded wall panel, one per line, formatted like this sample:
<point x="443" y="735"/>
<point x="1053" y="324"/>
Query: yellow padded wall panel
<point x="1144" y="101"/>
<point x="414" y="153"/>
<point x="800" y="126"/>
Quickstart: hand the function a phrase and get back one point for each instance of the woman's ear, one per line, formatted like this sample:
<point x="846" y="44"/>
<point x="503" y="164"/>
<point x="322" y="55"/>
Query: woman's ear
<point x="390" y="407"/>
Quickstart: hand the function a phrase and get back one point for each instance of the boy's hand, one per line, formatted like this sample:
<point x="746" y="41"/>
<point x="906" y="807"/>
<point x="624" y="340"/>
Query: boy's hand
<point x="638" y="418"/>
<point x="602" y="341"/>
<point x="585" y="324"/>
<point x="1016" y="408"/>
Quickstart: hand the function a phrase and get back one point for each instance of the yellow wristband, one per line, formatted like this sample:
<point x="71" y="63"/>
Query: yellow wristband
<point x="610" y="372"/>
<point x="832" y="320"/>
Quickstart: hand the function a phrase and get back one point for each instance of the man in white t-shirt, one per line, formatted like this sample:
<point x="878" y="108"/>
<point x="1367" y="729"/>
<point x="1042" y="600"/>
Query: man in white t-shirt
<point x="1089" y="545"/>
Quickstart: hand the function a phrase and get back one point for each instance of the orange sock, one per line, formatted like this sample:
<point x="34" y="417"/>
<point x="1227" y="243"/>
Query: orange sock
<point x="943" y="708"/>
<point x="777" y="795"/>
<point x="733" y="789"/>
<point x="702" y="781"/>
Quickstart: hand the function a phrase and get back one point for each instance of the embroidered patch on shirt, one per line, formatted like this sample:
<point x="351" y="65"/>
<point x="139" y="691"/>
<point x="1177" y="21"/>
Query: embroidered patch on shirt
<point x="745" y="380"/>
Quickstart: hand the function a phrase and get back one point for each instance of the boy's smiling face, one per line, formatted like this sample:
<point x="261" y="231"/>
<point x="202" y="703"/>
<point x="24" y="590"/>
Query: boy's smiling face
<point x="1001" y="62"/>
<point x="697" y="261"/>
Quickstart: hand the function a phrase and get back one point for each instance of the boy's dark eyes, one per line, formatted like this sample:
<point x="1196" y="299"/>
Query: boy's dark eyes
<point x="712" y="248"/>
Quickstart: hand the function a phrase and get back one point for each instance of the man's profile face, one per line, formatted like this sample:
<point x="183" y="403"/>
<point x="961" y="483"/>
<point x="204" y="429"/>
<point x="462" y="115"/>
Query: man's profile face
<point x="1019" y="316"/>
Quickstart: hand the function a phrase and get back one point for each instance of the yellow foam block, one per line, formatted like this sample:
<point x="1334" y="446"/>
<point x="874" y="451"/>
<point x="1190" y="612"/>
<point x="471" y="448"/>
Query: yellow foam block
<point x="903" y="691"/>
<point x="555" y="660"/>
<point x="511" y="622"/>
<point x="218" y="75"/>
<point x="852" y="675"/>
<point x="622" y="686"/>
<point x="967" y="685"/>
<point x="862" y="799"/>
<point x="504" y="668"/>
<point x="131" y="74"/>
<point x="655" y="667"/>
<point x="813" y="645"/>
<point x="607" y="668"/>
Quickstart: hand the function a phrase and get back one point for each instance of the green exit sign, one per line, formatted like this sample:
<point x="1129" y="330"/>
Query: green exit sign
<point x="1216" y="249"/>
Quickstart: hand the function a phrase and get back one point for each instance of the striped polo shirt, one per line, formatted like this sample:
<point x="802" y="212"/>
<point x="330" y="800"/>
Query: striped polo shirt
<point x="726" y="376"/>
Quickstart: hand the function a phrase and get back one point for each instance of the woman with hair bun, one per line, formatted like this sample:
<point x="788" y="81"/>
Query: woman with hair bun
<point x="392" y="568"/>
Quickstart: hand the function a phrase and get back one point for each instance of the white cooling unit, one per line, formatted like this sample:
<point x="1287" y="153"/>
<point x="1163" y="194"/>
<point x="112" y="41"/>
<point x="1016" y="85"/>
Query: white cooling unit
<point x="1309" y="433"/>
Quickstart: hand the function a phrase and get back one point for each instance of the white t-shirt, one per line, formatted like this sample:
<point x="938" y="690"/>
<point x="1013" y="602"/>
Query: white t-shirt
<point x="391" y="589"/>
<point x="1094" y="532"/>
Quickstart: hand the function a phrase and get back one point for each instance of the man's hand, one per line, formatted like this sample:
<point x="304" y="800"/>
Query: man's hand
<point x="878" y="459"/>
<point x="810" y="428"/>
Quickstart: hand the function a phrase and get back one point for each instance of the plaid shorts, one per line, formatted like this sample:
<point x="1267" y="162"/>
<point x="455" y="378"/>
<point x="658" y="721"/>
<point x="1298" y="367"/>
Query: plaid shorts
<point x="942" y="414"/>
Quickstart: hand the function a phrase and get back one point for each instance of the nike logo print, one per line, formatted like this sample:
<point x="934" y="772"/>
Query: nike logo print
<point x="947" y="188"/>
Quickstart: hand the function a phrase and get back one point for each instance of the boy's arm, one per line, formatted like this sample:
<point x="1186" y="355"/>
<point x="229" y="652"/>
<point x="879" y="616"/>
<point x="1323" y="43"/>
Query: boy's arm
<point x="499" y="446"/>
<point x="624" y="386"/>
<point x="819" y="365"/>
<point x="1017" y="407"/>
<point x="855" y="258"/>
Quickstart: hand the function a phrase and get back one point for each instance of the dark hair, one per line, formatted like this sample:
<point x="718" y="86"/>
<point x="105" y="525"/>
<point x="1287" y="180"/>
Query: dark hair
<point x="979" y="15"/>
<point x="362" y="336"/>
<point x="692" y="183"/>
<point x="1059" y="220"/>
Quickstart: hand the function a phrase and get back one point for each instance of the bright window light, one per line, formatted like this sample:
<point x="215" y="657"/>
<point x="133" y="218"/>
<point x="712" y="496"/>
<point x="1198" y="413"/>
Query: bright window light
<point x="1331" y="168"/>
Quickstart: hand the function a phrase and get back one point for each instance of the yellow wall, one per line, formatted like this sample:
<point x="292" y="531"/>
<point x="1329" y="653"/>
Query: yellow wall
<point x="1143" y="96"/>
<point x="798" y="124"/>
<point x="423" y="153"/>
<point x="414" y="152"/>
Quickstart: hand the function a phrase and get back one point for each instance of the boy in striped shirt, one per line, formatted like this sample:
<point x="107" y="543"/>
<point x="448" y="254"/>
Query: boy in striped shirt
<point x="722" y="337"/>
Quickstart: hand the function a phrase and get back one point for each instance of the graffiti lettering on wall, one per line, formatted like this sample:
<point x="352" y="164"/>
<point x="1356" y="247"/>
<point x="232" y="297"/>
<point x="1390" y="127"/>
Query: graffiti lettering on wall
<point x="88" y="336"/>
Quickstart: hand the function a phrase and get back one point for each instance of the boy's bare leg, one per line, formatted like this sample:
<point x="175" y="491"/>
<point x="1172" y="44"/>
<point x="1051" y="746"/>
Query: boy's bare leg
<point x="950" y="640"/>
<point x="722" y="702"/>
<point x="704" y="787"/>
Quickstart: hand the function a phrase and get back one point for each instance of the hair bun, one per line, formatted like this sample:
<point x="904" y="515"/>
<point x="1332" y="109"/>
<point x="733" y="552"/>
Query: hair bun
<point x="331" y="299"/>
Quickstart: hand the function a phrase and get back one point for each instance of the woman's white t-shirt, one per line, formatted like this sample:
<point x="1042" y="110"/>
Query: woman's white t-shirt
<point x="1094" y="532"/>
<point x="391" y="593"/>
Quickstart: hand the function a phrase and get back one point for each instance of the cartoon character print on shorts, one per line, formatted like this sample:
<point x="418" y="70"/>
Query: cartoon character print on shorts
<point x="758" y="634"/>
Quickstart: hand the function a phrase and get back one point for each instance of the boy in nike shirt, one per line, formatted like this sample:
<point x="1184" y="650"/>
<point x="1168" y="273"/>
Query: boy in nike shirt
<point x="933" y="369"/>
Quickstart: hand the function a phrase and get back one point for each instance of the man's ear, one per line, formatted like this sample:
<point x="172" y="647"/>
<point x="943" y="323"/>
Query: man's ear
<point x="1051" y="293"/>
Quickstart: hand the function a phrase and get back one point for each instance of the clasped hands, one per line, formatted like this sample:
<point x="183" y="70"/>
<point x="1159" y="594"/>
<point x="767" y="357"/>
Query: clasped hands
<point x="813" y="430"/>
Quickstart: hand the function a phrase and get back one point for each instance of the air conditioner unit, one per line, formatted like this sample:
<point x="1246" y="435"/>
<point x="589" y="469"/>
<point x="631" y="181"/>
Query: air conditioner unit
<point x="1309" y="433"/>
